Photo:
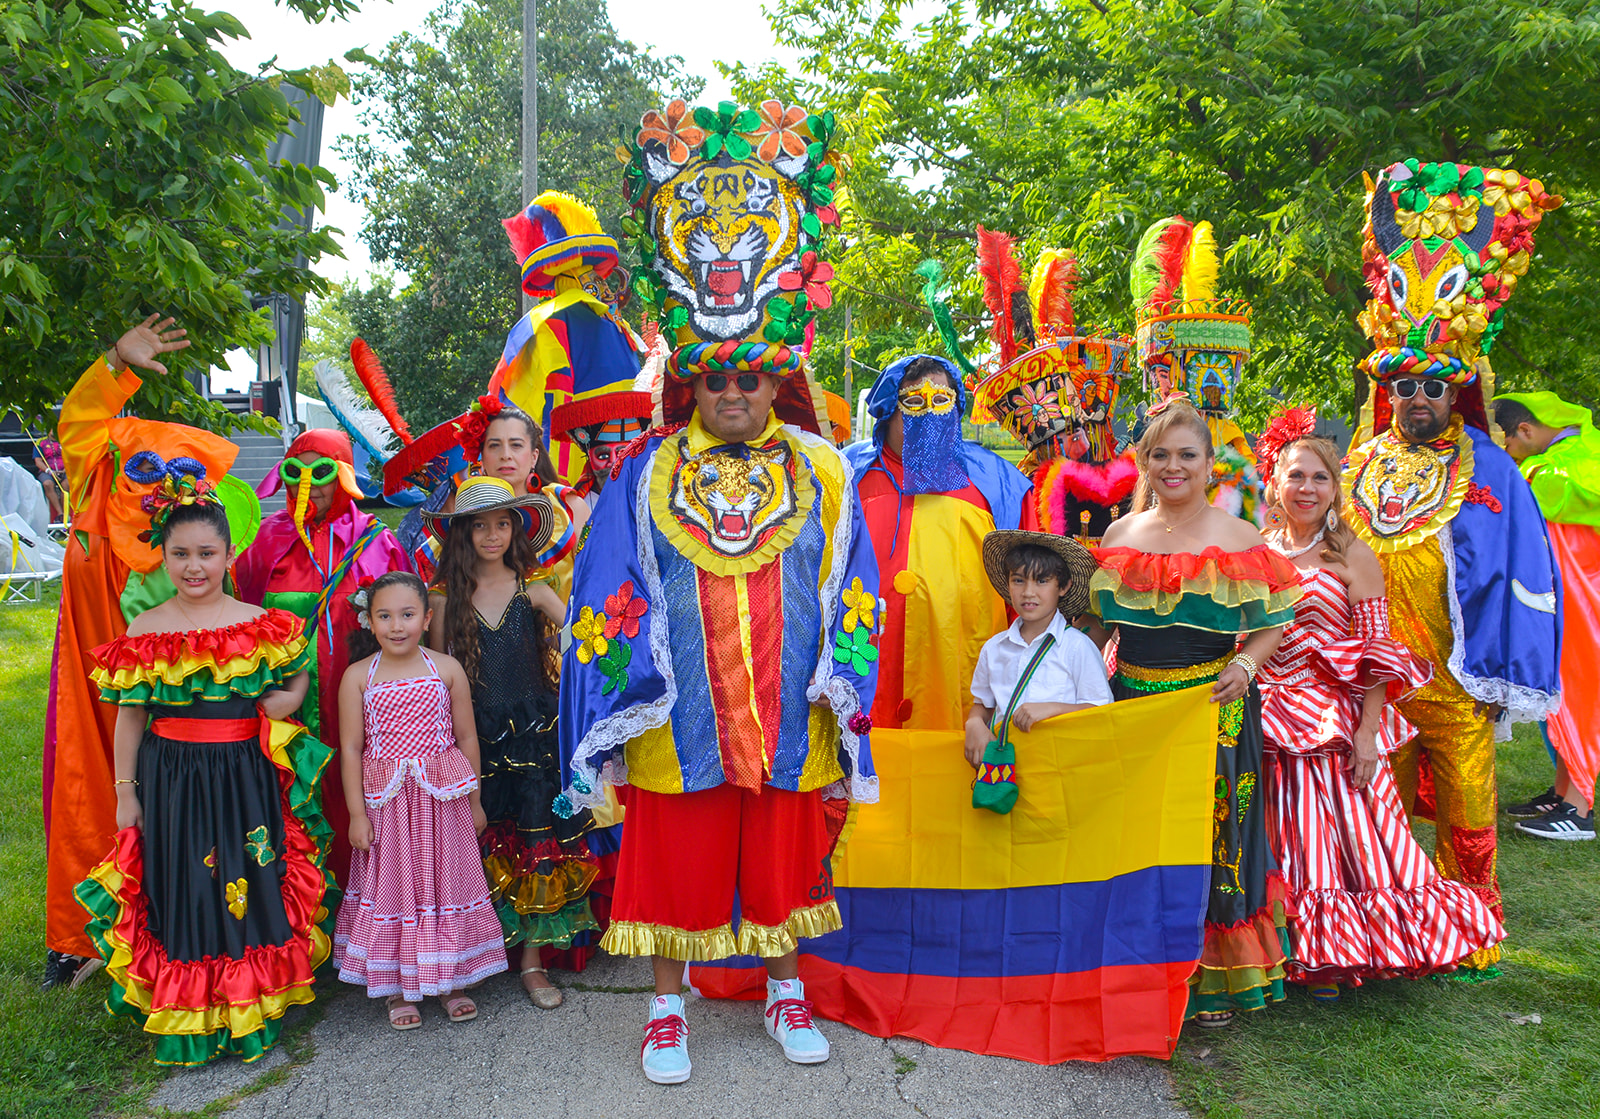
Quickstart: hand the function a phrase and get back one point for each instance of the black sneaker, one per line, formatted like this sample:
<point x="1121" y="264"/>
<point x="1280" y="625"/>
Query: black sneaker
<point x="1546" y="801"/>
<point x="1560" y="823"/>
<point x="61" y="968"/>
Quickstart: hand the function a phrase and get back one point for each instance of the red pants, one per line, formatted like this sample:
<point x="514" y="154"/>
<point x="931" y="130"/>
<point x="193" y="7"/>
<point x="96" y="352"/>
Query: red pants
<point x="685" y="856"/>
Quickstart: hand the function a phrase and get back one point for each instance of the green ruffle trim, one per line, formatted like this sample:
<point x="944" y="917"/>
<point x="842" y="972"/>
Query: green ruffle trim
<point x="1197" y="612"/>
<point x="309" y="757"/>
<point x="1208" y="993"/>
<point x="555" y="929"/>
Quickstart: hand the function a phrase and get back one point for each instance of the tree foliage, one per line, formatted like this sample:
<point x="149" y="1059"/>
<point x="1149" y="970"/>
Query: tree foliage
<point x="133" y="179"/>
<point x="1079" y="122"/>
<point x="440" y="167"/>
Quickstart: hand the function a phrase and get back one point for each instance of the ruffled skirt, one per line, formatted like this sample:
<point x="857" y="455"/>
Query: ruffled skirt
<point x="416" y="918"/>
<point x="209" y="921"/>
<point x="1367" y="902"/>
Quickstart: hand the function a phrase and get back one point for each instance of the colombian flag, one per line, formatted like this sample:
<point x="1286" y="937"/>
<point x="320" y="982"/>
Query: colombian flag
<point x="1066" y="930"/>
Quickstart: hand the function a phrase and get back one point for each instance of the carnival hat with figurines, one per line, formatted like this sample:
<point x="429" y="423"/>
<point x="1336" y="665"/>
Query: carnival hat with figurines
<point x="729" y="206"/>
<point x="1444" y="247"/>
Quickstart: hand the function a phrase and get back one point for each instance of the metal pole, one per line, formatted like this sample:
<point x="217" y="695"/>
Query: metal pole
<point x="849" y="381"/>
<point x="530" y="110"/>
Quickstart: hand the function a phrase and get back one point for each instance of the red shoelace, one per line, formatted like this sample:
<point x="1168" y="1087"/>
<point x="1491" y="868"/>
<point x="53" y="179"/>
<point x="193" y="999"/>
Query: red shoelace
<point x="665" y="1033"/>
<point x="793" y="1013"/>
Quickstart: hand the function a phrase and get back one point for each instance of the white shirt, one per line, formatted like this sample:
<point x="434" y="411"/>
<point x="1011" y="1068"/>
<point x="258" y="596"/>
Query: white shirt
<point x="1071" y="672"/>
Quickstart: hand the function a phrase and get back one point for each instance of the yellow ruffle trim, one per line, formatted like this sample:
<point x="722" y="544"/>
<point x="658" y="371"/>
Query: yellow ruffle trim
<point x="1234" y="980"/>
<point x="540" y="893"/>
<point x="1482" y="958"/>
<point x="174" y="673"/>
<point x="636" y="938"/>
<point x="771" y="941"/>
<point x="1224" y="592"/>
<point x="665" y="468"/>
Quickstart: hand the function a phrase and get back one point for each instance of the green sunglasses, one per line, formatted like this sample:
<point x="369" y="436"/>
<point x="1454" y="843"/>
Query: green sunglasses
<point x="321" y="472"/>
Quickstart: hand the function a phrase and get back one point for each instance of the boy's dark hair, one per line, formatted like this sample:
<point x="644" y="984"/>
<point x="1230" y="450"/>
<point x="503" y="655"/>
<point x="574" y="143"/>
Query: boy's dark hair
<point x="1512" y="414"/>
<point x="200" y="512"/>
<point x="1038" y="563"/>
<point x="923" y="367"/>
<point x="361" y="642"/>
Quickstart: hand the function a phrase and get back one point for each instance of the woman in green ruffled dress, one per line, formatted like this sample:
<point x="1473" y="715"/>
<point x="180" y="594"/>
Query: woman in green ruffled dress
<point x="1197" y="599"/>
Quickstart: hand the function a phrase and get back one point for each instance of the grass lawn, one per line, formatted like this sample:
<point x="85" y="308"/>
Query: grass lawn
<point x="1435" y="1048"/>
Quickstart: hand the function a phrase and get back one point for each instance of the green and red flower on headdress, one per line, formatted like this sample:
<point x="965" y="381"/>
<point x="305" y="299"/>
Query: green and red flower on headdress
<point x="182" y="481"/>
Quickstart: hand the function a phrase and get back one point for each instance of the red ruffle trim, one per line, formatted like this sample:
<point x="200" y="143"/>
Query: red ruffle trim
<point x="502" y="840"/>
<point x="242" y="639"/>
<point x="1146" y="571"/>
<point x="1256" y="941"/>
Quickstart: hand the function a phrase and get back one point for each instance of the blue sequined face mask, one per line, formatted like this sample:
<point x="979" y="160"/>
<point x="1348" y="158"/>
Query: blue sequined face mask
<point x="930" y="450"/>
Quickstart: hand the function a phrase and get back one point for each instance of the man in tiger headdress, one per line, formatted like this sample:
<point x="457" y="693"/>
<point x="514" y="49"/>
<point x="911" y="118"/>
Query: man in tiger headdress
<point x="1473" y="587"/>
<point x="723" y="618"/>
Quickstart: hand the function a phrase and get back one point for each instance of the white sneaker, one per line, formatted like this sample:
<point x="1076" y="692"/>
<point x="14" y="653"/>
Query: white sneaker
<point x="789" y="1023"/>
<point x="665" y="1052"/>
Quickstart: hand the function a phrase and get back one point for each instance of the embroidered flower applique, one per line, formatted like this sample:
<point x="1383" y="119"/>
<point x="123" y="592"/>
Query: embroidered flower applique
<point x="257" y="847"/>
<point x="860" y="605"/>
<point x="624" y="609"/>
<point x="590" y="631"/>
<point x="855" y="649"/>
<point x="237" y="903"/>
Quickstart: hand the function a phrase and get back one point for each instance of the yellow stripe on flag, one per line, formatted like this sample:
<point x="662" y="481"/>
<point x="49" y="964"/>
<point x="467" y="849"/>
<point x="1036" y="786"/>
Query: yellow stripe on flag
<point x="1102" y="792"/>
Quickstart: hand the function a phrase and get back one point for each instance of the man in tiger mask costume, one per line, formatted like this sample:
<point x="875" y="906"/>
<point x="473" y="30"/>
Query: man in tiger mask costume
<point x="1473" y="587"/>
<point x="723" y="619"/>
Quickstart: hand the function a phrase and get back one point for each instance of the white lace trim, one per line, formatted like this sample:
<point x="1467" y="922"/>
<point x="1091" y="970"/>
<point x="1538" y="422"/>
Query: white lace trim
<point x="840" y="694"/>
<point x="414" y="767"/>
<point x="620" y="727"/>
<point x="1522" y="704"/>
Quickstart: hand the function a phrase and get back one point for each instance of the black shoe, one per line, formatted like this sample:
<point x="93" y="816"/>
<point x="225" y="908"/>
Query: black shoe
<point x="61" y="968"/>
<point x="1561" y="823"/>
<point x="1546" y="801"/>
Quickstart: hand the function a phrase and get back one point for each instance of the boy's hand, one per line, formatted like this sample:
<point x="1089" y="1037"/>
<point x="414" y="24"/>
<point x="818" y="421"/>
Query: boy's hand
<point x="1027" y="714"/>
<point x="977" y="739"/>
<point x="361" y="832"/>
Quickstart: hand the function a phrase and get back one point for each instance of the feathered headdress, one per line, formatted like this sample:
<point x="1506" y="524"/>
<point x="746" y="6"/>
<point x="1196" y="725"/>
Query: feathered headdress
<point x="558" y="235"/>
<point x="1285" y="428"/>
<point x="1003" y="293"/>
<point x="934" y="294"/>
<point x="365" y="423"/>
<point x="376" y="382"/>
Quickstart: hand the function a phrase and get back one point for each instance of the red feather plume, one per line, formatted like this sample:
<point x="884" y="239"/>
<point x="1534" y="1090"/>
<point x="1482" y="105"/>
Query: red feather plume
<point x="1171" y="256"/>
<point x="376" y="381"/>
<point x="1002" y="276"/>
<point x="524" y="238"/>
<point x="1055" y="294"/>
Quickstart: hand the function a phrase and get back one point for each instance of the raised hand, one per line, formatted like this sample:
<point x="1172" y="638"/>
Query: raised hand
<point x="143" y="343"/>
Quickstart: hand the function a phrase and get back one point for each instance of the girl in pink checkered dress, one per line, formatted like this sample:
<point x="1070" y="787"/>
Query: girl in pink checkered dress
<point x="416" y="918"/>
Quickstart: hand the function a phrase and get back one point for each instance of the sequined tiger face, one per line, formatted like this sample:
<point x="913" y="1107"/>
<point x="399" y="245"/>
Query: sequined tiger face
<point x="724" y="230"/>
<point x="734" y="501"/>
<point x="1403" y="488"/>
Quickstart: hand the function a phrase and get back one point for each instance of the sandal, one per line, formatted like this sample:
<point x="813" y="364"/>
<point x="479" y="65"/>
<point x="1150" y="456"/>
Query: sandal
<point x="1325" y="992"/>
<point x="403" y="1015"/>
<point x="1213" y="1019"/>
<point x="459" y="1007"/>
<point x="547" y="997"/>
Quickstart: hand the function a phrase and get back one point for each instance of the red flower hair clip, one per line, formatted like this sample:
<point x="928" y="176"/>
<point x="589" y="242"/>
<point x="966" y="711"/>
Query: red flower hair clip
<point x="474" y="425"/>
<point x="1285" y="428"/>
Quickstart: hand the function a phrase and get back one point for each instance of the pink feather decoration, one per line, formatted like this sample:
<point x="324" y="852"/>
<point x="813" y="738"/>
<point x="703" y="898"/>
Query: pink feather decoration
<point x="376" y="382"/>
<point x="1002" y="276"/>
<point x="1173" y="253"/>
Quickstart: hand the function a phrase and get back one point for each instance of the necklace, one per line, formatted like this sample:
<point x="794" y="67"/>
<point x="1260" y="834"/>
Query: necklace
<point x="1186" y="520"/>
<point x="1291" y="554"/>
<point x="215" y="618"/>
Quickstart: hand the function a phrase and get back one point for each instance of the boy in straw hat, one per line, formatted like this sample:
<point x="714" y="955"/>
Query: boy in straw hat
<point x="1046" y="579"/>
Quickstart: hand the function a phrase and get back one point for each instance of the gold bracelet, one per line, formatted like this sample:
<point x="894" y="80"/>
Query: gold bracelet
<point x="1246" y="662"/>
<point x="124" y="781"/>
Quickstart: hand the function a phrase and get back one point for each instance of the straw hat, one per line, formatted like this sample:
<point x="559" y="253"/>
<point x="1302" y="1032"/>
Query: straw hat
<point x="486" y="495"/>
<point x="1080" y="565"/>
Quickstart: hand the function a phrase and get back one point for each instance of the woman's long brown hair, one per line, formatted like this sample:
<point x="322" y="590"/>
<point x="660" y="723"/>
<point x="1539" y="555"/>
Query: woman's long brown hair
<point x="1336" y="544"/>
<point x="457" y="579"/>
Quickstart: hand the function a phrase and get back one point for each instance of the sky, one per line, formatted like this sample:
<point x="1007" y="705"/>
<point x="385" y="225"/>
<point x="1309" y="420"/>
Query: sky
<point x="743" y="33"/>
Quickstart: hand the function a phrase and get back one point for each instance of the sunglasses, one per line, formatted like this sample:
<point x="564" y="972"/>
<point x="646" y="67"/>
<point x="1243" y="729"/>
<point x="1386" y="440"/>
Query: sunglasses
<point x="747" y="382"/>
<point x="321" y="472"/>
<point x="1407" y="388"/>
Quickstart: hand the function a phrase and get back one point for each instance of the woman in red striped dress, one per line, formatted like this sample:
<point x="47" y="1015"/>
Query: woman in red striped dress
<point x="1367" y="902"/>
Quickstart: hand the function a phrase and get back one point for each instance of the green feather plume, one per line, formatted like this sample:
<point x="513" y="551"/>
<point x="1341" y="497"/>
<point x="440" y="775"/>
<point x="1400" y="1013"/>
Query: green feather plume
<point x="931" y="272"/>
<point x="1145" y="271"/>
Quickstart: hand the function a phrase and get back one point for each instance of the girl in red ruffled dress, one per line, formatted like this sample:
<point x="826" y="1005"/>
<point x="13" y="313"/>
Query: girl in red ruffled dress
<point x="416" y="918"/>
<point x="1366" y="902"/>
<point x="206" y="911"/>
